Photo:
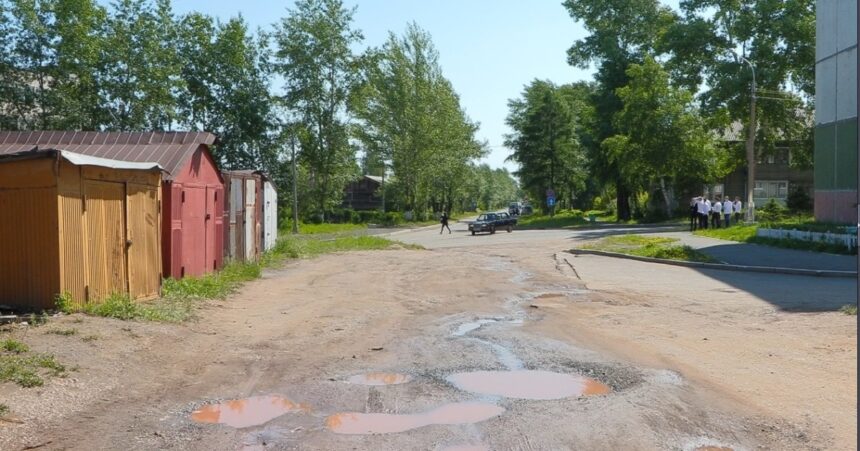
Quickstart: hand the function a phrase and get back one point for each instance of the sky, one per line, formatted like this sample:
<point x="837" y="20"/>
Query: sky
<point x="489" y="49"/>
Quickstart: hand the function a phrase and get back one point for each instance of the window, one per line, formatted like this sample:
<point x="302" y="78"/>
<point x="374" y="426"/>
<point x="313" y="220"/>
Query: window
<point x="766" y="189"/>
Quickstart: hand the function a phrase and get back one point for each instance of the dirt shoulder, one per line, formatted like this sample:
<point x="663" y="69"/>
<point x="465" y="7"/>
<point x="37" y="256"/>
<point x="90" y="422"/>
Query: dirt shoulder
<point x="302" y="331"/>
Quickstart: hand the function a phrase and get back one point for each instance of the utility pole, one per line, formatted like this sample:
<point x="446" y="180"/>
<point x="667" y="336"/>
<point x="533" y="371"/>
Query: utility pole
<point x="751" y="130"/>
<point x="295" y="187"/>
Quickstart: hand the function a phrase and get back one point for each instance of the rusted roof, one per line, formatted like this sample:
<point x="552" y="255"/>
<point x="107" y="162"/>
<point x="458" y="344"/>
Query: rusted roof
<point x="169" y="149"/>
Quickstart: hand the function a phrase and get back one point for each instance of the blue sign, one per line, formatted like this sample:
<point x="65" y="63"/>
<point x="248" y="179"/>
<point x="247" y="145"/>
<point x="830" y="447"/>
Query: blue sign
<point x="550" y="201"/>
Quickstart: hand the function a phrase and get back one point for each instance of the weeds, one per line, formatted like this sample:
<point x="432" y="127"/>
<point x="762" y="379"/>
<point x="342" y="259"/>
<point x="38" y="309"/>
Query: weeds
<point x="27" y="370"/>
<point x="63" y="332"/>
<point x="747" y="234"/>
<point x="14" y="346"/>
<point x="4" y="410"/>
<point x="216" y="285"/>
<point x="849" y="309"/>
<point x="90" y="338"/>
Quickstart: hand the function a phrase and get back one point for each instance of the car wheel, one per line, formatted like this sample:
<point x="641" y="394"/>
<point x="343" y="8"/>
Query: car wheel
<point x="510" y="229"/>
<point x="473" y="233"/>
<point x="492" y="231"/>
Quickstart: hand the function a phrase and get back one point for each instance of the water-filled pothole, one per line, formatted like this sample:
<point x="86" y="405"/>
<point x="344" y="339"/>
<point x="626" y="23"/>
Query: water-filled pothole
<point x="527" y="384"/>
<point x="387" y="423"/>
<point x="379" y="379"/>
<point x="242" y="413"/>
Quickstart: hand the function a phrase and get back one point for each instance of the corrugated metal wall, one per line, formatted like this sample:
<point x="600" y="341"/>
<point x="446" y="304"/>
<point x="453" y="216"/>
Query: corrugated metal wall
<point x="29" y="251"/>
<point x="105" y="228"/>
<point x="270" y="215"/>
<point x="144" y="247"/>
<point x="74" y="269"/>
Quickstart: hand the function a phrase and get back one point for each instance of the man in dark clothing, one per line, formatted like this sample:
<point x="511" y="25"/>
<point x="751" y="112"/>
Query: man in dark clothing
<point x="444" y="221"/>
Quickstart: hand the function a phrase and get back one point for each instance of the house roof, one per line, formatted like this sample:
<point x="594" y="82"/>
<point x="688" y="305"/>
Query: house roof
<point x="247" y="172"/>
<point x="80" y="160"/>
<point x="375" y="178"/>
<point x="170" y="150"/>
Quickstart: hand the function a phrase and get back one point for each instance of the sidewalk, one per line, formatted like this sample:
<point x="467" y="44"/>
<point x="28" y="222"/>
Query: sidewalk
<point x="735" y="253"/>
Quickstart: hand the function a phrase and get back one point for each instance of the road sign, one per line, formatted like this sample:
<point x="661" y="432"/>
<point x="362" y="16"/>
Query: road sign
<point x="550" y="201"/>
<point x="550" y="193"/>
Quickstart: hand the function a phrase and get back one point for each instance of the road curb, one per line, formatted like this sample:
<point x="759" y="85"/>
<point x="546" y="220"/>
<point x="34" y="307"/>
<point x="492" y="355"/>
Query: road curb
<point x="416" y="229"/>
<point x="721" y="266"/>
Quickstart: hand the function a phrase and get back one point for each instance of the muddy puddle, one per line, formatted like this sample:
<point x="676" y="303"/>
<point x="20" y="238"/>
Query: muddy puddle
<point x="527" y="384"/>
<point x="379" y="379"/>
<point x="242" y="413"/>
<point x="387" y="423"/>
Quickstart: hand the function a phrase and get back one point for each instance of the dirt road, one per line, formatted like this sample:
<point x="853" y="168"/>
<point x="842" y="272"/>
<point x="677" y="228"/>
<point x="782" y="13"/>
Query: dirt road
<point x="510" y="345"/>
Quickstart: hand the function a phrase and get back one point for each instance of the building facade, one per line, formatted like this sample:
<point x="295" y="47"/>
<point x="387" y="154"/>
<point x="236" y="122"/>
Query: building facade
<point x="836" y="111"/>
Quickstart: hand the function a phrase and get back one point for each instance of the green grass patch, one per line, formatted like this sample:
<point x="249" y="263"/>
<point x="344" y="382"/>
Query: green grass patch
<point x="849" y="309"/>
<point x="216" y="285"/>
<point x="28" y="369"/>
<point x="90" y="338"/>
<point x="299" y="247"/>
<point x="320" y="229"/>
<point x="653" y="247"/>
<point x="14" y="346"/>
<point x="742" y="233"/>
<point x="4" y="410"/>
<point x="563" y="219"/>
<point x="747" y="234"/>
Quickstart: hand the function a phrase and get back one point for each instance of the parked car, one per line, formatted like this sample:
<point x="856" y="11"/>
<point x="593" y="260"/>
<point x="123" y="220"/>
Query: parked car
<point x="514" y="209"/>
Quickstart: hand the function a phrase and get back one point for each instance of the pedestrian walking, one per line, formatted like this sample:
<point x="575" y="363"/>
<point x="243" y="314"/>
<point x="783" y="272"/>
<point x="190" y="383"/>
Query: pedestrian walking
<point x="716" y="212"/>
<point x="444" y="221"/>
<point x="694" y="213"/>
<point x="728" y="207"/>
<point x="736" y="208"/>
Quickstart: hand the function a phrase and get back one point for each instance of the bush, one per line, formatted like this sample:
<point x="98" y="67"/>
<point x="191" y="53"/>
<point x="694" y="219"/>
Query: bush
<point x="772" y="211"/>
<point x="392" y="219"/>
<point x="798" y="200"/>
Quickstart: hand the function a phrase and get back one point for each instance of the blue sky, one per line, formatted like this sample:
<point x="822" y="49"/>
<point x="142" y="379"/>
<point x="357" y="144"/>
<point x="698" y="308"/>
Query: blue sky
<point x="489" y="49"/>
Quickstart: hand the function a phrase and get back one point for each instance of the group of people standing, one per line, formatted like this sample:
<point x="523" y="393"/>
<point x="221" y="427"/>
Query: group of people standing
<point x="718" y="212"/>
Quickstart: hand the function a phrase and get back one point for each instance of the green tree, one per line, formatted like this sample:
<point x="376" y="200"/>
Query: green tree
<point x="662" y="140"/>
<point x="225" y="71"/>
<point x="544" y="141"/>
<point x="315" y="57"/>
<point x="412" y="121"/>
<point x="141" y="79"/>
<point x="707" y="50"/>
<point x="622" y="32"/>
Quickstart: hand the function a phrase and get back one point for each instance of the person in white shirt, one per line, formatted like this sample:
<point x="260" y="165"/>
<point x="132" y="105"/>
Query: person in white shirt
<point x="737" y="209"/>
<point x="728" y="207"/>
<point x="704" y="208"/>
<point x="716" y="213"/>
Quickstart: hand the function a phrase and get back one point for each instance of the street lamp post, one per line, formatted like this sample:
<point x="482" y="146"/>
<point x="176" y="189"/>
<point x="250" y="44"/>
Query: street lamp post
<point x="750" y="144"/>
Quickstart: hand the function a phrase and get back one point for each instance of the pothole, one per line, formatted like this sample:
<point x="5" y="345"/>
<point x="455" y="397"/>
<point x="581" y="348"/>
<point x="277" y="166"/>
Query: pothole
<point x="242" y="413"/>
<point x="387" y="423"/>
<point x="380" y="379"/>
<point x="528" y="384"/>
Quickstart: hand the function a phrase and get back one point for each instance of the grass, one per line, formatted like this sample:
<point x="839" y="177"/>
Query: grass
<point x="849" y="309"/>
<point x="298" y="247"/>
<point x="14" y="346"/>
<point x="63" y="332"/>
<point x="4" y="410"/>
<point x="318" y="229"/>
<point x="747" y="234"/>
<point x="653" y="247"/>
<point x="562" y="219"/>
<point x="27" y="369"/>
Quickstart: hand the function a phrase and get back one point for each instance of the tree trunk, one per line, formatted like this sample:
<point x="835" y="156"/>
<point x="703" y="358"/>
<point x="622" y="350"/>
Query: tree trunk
<point x="622" y="200"/>
<point x="667" y="199"/>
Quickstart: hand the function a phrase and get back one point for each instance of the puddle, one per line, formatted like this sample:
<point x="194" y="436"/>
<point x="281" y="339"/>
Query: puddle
<point x="526" y="384"/>
<point x="505" y="356"/>
<point x="471" y="326"/>
<point x="387" y="423"/>
<point x="242" y="413"/>
<point x="380" y="379"/>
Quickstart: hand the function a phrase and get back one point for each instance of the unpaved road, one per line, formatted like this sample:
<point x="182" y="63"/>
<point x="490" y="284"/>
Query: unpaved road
<point x="692" y="359"/>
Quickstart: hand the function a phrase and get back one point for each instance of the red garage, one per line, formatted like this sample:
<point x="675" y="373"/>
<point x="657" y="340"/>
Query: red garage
<point x="192" y="192"/>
